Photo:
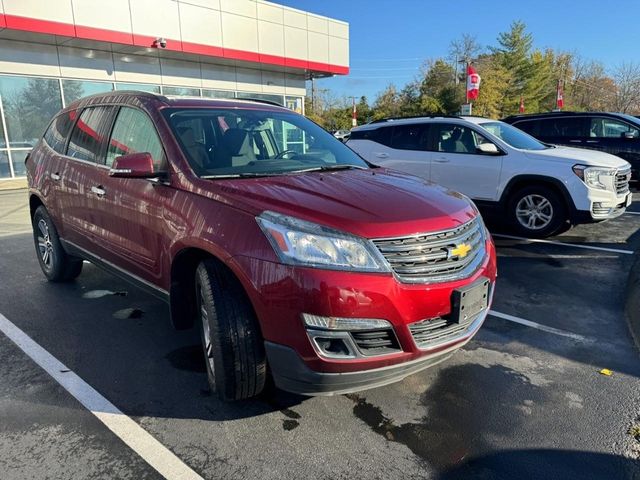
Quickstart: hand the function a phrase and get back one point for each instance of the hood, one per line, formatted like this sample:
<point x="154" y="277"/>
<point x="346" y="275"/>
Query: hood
<point x="583" y="156"/>
<point x="370" y="203"/>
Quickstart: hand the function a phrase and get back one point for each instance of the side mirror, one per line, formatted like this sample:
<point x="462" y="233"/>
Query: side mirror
<point x="488" y="148"/>
<point x="133" y="165"/>
<point x="628" y="135"/>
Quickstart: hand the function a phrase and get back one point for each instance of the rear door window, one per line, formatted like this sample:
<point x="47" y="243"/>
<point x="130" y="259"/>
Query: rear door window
<point x="57" y="133"/>
<point x="570" y="127"/>
<point x="381" y="135"/>
<point x="134" y="132"/>
<point x="410" y="137"/>
<point x="532" y="127"/>
<point x="88" y="139"/>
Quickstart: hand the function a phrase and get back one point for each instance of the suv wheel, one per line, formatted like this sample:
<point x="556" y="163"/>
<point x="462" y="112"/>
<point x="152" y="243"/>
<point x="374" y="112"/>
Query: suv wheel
<point x="231" y="339"/>
<point x="537" y="211"/>
<point x="55" y="263"/>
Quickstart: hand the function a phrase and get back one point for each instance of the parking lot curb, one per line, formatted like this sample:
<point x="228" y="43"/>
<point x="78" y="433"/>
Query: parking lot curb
<point x="632" y="307"/>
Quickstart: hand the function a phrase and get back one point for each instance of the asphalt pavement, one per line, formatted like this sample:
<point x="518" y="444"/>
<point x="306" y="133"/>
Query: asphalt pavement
<point x="524" y="399"/>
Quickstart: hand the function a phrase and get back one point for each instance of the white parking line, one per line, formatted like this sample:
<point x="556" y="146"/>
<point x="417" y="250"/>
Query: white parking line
<point x="137" y="438"/>
<point x="565" y="244"/>
<point x="633" y="213"/>
<point x="539" y="326"/>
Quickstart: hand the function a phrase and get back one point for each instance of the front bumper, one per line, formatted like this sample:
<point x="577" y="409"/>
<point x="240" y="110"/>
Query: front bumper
<point x="607" y="208"/>
<point x="281" y="293"/>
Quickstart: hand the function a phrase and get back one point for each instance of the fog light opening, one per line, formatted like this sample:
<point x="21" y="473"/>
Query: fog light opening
<point x="333" y="347"/>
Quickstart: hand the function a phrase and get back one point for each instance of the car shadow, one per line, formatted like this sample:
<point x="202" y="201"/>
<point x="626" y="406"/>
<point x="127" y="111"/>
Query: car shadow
<point x="548" y="464"/>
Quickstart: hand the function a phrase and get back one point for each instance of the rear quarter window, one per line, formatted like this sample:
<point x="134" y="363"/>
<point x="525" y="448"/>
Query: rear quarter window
<point x="58" y="131"/>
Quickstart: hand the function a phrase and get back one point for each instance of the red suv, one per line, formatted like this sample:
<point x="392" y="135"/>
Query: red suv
<point x="295" y="257"/>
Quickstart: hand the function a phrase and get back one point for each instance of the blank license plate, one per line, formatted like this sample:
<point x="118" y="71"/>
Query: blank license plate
<point x="469" y="301"/>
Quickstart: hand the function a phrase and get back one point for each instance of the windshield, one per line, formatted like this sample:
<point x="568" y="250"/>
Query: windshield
<point x="221" y="143"/>
<point x="513" y="136"/>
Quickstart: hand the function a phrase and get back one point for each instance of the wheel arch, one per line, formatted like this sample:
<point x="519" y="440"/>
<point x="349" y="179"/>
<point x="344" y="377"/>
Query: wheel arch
<point x="521" y="181"/>
<point x="182" y="300"/>
<point x="34" y="202"/>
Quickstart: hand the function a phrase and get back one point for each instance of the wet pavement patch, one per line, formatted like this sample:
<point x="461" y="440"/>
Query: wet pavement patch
<point x="464" y="406"/>
<point x="103" y="293"/>
<point x="290" y="424"/>
<point x="189" y="358"/>
<point x="128" y="313"/>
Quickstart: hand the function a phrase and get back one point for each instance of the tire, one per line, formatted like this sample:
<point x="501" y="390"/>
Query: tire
<point x="231" y="339"/>
<point x="56" y="264"/>
<point x="537" y="211"/>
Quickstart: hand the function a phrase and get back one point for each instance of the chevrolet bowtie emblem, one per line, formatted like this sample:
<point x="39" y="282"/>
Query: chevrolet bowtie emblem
<point x="460" y="251"/>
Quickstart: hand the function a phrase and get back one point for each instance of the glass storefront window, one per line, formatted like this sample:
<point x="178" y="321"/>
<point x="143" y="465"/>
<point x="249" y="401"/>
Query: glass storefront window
<point x="29" y="104"/>
<point x="17" y="158"/>
<point x="75" y="89"/>
<point x="295" y="104"/>
<point x="218" y="93"/>
<point x="140" y="87"/>
<point x="183" y="91"/>
<point x="279" y="99"/>
<point x="5" y="171"/>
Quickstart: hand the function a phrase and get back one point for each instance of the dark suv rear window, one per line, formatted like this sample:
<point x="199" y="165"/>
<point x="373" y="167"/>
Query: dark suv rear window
<point x="555" y="127"/>
<point x="57" y="133"/>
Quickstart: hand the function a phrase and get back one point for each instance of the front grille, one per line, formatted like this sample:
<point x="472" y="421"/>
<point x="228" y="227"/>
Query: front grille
<point x="428" y="333"/>
<point x="431" y="257"/>
<point x="622" y="182"/>
<point x="375" y="342"/>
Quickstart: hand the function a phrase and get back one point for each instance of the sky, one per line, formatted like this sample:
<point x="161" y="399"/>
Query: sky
<point x="390" y="39"/>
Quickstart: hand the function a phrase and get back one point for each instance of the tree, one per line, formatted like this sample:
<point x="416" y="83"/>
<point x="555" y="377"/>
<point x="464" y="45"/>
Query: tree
<point x="627" y="81"/>
<point x="387" y="104"/>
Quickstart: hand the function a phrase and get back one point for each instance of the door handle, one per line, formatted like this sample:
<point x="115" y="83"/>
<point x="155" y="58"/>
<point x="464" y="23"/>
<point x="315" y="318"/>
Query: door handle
<point x="99" y="191"/>
<point x="593" y="141"/>
<point x="55" y="176"/>
<point x="575" y="141"/>
<point x="441" y="160"/>
<point x="381" y="155"/>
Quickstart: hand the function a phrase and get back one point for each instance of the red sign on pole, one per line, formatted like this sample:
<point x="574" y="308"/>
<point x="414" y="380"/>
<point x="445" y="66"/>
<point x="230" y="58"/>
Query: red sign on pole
<point x="473" y="83"/>
<point x="559" y="96"/>
<point x="521" y="105"/>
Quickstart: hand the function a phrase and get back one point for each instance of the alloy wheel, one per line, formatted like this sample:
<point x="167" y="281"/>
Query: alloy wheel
<point x="206" y="329"/>
<point x="44" y="243"/>
<point x="534" y="212"/>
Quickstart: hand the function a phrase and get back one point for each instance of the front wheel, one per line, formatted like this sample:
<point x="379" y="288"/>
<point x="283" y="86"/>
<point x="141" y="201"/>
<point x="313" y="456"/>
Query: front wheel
<point x="231" y="339"/>
<point x="55" y="263"/>
<point x="537" y="212"/>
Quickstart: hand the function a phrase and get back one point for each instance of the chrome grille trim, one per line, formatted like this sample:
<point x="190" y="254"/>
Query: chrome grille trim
<point x="622" y="181"/>
<point x="425" y="257"/>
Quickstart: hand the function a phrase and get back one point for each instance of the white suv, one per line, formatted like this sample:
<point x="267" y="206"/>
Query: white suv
<point x="539" y="187"/>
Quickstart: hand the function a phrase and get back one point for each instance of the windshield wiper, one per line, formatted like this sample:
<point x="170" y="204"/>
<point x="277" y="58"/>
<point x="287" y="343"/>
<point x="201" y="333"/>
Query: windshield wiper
<point x="328" y="168"/>
<point x="240" y="175"/>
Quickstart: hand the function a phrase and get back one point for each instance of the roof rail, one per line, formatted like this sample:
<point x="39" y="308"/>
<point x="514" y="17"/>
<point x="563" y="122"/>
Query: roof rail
<point x="259" y="100"/>
<point x="434" y="115"/>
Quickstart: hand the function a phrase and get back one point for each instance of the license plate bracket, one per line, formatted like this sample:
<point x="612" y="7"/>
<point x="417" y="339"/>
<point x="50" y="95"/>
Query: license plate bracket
<point x="469" y="301"/>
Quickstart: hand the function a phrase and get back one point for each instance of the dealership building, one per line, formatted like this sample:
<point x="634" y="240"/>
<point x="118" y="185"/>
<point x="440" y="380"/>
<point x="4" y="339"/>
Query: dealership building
<point x="53" y="52"/>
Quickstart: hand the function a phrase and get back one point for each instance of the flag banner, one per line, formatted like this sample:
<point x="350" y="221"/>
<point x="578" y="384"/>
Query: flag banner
<point x="560" y="96"/>
<point x="473" y="83"/>
<point x="521" y="105"/>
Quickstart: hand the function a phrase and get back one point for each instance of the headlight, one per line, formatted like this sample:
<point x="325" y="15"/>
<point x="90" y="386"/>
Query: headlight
<point x="298" y="242"/>
<point x="596" y="177"/>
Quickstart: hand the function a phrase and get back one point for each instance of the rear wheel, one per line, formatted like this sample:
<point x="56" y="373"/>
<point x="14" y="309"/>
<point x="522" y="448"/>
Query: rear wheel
<point x="537" y="211"/>
<point x="231" y="339"/>
<point x="55" y="263"/>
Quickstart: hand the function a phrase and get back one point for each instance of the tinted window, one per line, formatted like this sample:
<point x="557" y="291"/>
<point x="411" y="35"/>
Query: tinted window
<point x="134" y="132"/>
<point x="454" y="138"/>
<point x="56" y="134"/>
<point x="532" y="127"/>
<point x="380" y="135"/>
<point x="410" y="137"/>
<point x="88" y="137"/>
<point x="602" y="127"/>
<point x="563" y="127"/>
